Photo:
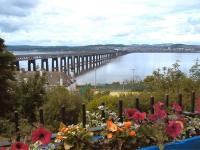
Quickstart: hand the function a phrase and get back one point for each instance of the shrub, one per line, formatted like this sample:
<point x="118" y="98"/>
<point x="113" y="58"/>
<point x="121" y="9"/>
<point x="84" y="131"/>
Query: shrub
<point x="55" y="99"/>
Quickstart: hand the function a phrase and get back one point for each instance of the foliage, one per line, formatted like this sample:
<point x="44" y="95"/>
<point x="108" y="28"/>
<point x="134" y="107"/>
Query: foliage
<point x="56" y="98"/>
<point x="110" y="102"/>
<point x="7" y="69"/>
<point x="30" y="95"/>
<point x="195" y="71"/>
<point x="87" y="92"/>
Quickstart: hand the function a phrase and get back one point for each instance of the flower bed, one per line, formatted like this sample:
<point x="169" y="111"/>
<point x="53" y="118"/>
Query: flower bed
<point x="139" y="130"/>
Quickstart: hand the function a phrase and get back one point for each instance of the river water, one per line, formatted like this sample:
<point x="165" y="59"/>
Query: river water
<point x="131" y="66"/>
<point x="136" y="66"/>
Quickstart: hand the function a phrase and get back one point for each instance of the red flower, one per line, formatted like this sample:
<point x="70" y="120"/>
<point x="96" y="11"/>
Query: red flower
<point x="139" y="116"/>
<point x="129" y="112"/>
<point x="41" y="134"/>
<point x="158" y="112"/>
<point x="2" y="148"/>
<point x="176" y="107"/>
<point x="158" y="106"/>
<point x="19" y="146"/>
<point x="174" y="128"/>
<point x="152" y="117"/>
<point x="161" y="114"/>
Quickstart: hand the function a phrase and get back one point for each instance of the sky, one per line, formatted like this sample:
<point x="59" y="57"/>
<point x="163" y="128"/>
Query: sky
<point x="89" y="22"/>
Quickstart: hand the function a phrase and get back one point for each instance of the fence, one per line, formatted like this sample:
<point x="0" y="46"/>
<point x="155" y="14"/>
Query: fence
<point x="120" y="114"/>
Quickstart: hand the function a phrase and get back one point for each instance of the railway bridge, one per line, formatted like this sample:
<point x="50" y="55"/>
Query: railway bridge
<point x="68" y="61"/>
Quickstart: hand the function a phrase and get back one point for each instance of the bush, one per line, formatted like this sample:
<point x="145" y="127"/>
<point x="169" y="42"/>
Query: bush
<point x="55" y="99"/>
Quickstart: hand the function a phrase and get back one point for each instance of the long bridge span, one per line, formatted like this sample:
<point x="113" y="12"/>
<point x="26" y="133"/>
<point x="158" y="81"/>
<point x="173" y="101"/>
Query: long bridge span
<point x="69" y="61"/>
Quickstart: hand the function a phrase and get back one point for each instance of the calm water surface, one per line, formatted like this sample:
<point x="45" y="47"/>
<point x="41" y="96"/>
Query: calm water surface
<point x="121" y="68"/>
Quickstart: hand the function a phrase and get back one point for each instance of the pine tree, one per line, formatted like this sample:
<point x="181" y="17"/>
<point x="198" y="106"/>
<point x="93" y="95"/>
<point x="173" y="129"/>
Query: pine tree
<point x="7" y="70"/>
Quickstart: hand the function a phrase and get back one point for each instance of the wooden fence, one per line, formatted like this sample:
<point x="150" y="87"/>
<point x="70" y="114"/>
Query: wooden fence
<point x="120" y="113"/>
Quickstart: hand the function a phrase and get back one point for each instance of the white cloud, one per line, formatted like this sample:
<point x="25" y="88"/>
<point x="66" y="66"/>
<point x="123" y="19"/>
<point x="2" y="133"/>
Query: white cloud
<point x="82" y="22"/>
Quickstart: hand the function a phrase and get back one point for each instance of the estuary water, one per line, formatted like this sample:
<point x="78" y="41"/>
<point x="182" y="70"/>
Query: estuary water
<point x="136" y="66"/>
<point x="131" y="66"/>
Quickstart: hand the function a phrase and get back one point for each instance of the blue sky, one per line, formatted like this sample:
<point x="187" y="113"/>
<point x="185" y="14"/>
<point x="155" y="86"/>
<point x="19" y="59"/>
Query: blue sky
<point x="86" y="22"/>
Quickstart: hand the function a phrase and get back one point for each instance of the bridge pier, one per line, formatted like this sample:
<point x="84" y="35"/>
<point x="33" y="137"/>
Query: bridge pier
<point x="53" y="66"/>
<point x="42" y="64"/>
<point x="98" y="56"/>
<point x="78" y="65"/>
<point x="90" y="62"/>
<point x="93" y="61"/>
<point x="17" y="65"/>
<point x="29" y="65"/>
<point x="69" y="65"/>
<point x="63" y="64"/>
<point x="87" y="62"/>
<point x="82" y="63"/>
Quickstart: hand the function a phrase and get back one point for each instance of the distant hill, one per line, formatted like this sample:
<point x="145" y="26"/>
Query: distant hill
<point x="166" y="47"/>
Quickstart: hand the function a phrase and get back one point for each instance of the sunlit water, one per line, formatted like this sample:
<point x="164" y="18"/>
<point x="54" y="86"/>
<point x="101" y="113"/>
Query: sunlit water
<point x="131" y="66"/>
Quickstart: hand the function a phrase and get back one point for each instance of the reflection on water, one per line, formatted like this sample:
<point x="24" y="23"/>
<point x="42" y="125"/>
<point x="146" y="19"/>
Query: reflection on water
<point x="121" y="68"/>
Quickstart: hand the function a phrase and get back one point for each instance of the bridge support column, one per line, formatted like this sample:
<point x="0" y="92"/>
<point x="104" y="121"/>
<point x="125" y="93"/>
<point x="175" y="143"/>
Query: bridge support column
<point x="87" y="62"/>
<point x="90" y="61"/>
<point x="78" y="65"/>
<point x="17" y="65"/>
<point x="73" y="65"/>
<point x="93" y="60"/>
<point x="63" y="64"/>
<point x="29" y="65"/>
<point x="54" y="67"/>
<point x="69" y="65"/>
<point x="42" y="64"/>
<point x="98" y="60"/>
<point x="107" y="58"/>
<point x="83" y="63"/>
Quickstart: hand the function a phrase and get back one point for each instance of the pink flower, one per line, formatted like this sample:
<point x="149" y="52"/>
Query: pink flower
<point x="176" y="107"/>
<point x="129" y="112"/>
<point x="139" y="116"/>
<point x="158" y="106"/>
<point x="174" y="128"/>
<point x="152" y="117"/>
<point x="41" y="134"/>
<point x="19" y="146"/>
<point x="161" y="114"/>
<point x="158" y="112"/>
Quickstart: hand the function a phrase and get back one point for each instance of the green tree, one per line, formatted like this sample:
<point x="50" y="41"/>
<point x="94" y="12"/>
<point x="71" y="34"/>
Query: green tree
<point x="166" y="80"/>
<point x="7" y="71"/>
<point x="195" y="71"/>
<point x="30" y="95"/>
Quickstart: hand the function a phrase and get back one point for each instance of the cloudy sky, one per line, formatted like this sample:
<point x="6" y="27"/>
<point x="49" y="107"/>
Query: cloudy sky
<point x="85" y="22"/>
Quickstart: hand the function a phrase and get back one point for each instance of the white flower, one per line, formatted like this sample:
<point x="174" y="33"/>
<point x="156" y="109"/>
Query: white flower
<point x="101" y="107"/>
<point x="136" y="126"/>
<point x="119" y="124"/>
